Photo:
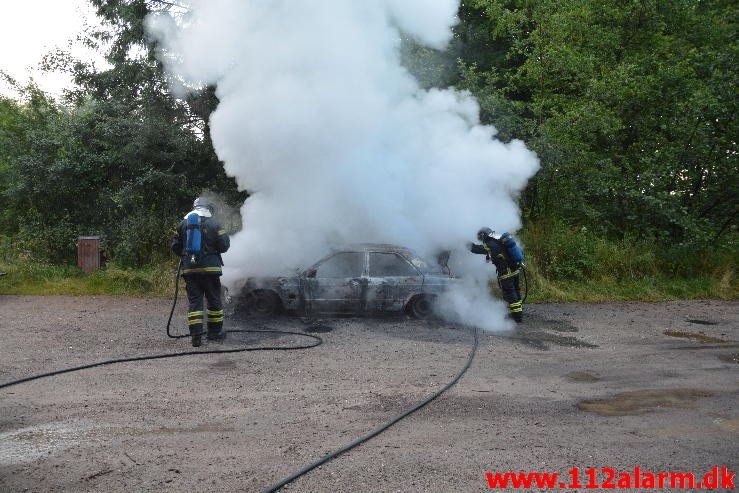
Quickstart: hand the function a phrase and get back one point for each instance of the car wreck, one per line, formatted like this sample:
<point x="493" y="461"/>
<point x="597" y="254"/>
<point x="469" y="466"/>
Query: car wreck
<point x="356" y="280"/>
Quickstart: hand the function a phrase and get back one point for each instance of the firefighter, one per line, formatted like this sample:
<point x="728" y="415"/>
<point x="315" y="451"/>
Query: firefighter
<point x="202" y="271"/>
<point x="508" y="268"/>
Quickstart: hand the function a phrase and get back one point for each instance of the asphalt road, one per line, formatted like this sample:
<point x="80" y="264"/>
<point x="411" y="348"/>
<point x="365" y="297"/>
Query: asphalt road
<point x="612" y="387"/>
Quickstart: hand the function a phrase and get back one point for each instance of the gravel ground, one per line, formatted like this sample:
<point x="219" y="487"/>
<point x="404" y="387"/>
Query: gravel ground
<point x="621" y="385"/>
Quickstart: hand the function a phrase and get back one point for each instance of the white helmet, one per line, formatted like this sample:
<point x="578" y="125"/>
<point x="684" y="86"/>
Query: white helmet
<point x="203" y="207"/>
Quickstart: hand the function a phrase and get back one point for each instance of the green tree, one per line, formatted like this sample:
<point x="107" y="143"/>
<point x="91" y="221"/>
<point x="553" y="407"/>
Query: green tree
<point x="35" y="186"/>
<point x="121" y="158"/>
<point x="629" y="105"/>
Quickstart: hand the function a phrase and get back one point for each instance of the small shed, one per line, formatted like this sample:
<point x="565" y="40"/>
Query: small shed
<point x="88" y="253"/>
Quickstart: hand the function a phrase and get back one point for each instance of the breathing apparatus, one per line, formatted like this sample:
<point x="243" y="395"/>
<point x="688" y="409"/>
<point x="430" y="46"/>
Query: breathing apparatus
<point x="193" y="236"/>
<point x="511" y="247"/>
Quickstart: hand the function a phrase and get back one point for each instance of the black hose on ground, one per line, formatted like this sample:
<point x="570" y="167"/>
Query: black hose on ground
<point x="174" y="302"/>
<point x="377" y="431"/>
<point x="317" y="341"/>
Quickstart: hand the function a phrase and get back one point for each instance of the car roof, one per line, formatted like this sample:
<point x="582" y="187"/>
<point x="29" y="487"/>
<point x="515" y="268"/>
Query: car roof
<point x="424" y="265"/>
<point x="374" y="247"/>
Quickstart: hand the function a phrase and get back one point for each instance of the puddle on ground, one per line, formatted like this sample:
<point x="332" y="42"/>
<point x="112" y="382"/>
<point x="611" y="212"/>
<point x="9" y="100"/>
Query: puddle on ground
<point x="564" y="328"/>
<point x="692" y="336"/>
<point x="539" y="339"/>
<point x="728" y="424"/>
<point x="318" y="327"/>
<point x="711" y="346"/>
<point x="642" y="401"/>
<point x="729" y="357"/>
<point x="548" y="324"/>
<point x="582" y="376"/>
<point x="540" y="333"/>
<point x="251" y="336"/>
<point x="701" y="322"/>
<point x="223" y="364"/>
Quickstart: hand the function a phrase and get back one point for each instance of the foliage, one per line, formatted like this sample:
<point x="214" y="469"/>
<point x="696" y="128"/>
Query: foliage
<point x="122" y="158"/>
<point x="27" y="276"/>
<point x="566" y="263"/>
<point x="629" y="105"/>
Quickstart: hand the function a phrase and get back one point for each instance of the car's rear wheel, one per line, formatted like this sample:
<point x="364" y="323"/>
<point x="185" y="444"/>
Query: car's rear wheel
<point x="421" y="306"/>
<point x="262" y="303"/>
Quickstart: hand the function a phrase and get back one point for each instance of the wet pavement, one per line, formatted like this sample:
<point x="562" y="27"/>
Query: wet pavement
<point x="620" y="385"/>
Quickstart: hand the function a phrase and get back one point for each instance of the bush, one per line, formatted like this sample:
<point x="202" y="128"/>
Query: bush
<point x="141" y="240"/>
<point x="560" y="252"/>
<point x="568" y="263"/>
<point x="564" y="252"/>
<point x="54" y="243"/>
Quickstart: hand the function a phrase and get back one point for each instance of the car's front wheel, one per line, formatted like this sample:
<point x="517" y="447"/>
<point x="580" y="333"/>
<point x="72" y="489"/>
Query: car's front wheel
<point x="262" y="303"/>
<point x="421" y="306"/>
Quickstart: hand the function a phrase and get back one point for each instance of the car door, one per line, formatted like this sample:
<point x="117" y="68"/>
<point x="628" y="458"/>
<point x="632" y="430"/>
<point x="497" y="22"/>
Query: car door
<point x="392" y="279"/>
<point x="336" y="284"/>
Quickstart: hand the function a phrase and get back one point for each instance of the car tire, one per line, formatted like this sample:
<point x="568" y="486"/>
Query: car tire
<point x="421" y="306"/>
<point x="262" y="303"/>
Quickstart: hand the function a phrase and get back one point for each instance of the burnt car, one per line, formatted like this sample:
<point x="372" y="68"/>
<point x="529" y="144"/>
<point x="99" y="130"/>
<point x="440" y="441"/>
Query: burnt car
<point x="355" y="280"/>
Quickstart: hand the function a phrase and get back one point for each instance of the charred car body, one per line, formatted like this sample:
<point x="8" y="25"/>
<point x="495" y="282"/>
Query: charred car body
<point x="355" y="280"/>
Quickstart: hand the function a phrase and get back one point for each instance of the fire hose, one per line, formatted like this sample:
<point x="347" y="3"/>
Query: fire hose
<point x="378" y="430"/>
<point x="359" y="440"/>
<point x="317" y="341"/>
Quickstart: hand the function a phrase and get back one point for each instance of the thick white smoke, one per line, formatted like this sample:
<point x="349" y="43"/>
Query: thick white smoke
<point x="335" y="140"/>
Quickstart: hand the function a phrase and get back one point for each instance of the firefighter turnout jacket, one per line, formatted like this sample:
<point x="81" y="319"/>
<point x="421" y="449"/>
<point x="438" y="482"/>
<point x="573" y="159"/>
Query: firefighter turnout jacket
<point x="215" y="242"/>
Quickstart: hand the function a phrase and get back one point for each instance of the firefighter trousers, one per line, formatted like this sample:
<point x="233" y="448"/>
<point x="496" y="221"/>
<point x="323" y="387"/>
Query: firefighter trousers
<point x="509" y="286"/>
<point x="208" y="286"/>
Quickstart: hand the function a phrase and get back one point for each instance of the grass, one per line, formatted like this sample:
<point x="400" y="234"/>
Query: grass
<point x="647" y="289"/>
<point x="604" y="286"/>
<point x="35" y="278"/>
<point x="573" y="264"/>
<point x="562" y="266"/>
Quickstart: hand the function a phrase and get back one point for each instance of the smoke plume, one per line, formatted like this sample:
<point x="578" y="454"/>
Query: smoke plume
<point x="337" y="143"/>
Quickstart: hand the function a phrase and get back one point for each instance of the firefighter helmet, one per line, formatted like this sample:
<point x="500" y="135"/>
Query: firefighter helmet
<point x="485" y="232"/>
<point x="201" y="204"/>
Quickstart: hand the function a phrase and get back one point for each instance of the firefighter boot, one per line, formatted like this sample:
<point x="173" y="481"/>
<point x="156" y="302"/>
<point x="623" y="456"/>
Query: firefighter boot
<point x="195" y="323"/>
